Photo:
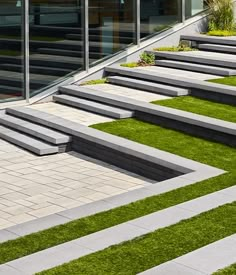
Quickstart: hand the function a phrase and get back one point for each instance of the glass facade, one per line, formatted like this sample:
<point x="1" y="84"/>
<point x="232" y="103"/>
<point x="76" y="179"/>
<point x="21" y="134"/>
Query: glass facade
<point x="43" y="42"/>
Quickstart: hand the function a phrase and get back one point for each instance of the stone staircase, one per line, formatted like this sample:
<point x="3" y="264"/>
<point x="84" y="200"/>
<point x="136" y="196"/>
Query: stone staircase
<point x="175" y="74"/>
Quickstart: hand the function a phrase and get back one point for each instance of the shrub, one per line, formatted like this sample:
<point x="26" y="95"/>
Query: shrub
<point x="221" y="15"/>
<point x="174" y="49"/>
<point x="146" y="59"/>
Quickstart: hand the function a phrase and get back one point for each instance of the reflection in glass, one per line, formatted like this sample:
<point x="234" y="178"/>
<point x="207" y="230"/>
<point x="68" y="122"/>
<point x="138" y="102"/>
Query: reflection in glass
<point x="193" y="7"/>
<point x="11" y="69"/>
<point x="56" y="41"/>
<point x="111" y="27"/>
<point x="158" y="15"/>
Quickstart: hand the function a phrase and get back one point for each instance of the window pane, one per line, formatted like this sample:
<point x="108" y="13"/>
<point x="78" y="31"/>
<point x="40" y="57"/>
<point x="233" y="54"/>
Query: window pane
<point x="11" y="56"/>
<point x="158" y="15"/>
<point x="56" y="41"/>
<point x="111" y="27"/>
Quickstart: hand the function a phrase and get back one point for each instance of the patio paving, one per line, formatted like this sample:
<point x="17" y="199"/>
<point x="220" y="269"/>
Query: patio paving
<point x="32" y="187"/>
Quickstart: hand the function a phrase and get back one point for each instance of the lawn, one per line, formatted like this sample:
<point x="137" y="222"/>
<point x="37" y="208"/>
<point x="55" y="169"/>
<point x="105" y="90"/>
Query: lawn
<point x="198" y="149"/>
<point x="201" y="107"/>
<point x="230" y="270"/>
<point x="230" y="80"/>
<point x="157" y="247"/>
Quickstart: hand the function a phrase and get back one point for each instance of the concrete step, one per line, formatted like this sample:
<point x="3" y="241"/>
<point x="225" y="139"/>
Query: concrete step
<point x="200" y="38"/>
<point x="92" y="106"/>
<point x="36" y="69"/>
<point x="200" y="57"/>
<point x="199" y="88"/>
<point x="34" y="130"/>
<point x="26" y="142"/>
<point x="218" y="48"/>
<point x="196" y="67"/>
<point x="147" y="86"/>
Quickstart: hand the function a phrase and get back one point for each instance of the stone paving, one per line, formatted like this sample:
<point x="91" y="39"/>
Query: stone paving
<point x="32" y="187"/>
<point x="70" y="113"/>
<point x="128" y="92"/>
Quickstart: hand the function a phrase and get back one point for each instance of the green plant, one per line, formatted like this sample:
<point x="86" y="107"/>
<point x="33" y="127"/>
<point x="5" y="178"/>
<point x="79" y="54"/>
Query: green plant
<point x="146" y="59"/>
<point x="230" y="270"/>
<point x="221" y="15"/>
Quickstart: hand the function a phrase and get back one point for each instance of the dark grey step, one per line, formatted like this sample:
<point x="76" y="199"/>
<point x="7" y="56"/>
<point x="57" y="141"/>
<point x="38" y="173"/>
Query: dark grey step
<point x="26" y="142"/>
<point x="218" y="48"/>
<point x="92" y="106"/>
<point x="231" y="40"/>
<point x="208" y="58"/>
<point x="36" y="69"/>
<point x="196" y="67"/>
<point x="35" y="130"/>
<point x="148" y="86"/>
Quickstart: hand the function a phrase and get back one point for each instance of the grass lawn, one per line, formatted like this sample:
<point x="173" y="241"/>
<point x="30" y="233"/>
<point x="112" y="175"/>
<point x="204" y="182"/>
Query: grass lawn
<point x="198" y="149"/>
<point x="201" y="107"/>
<point x="230" y="80"/>
<point x="157" y="247"/>
<point x="230" y="270"/>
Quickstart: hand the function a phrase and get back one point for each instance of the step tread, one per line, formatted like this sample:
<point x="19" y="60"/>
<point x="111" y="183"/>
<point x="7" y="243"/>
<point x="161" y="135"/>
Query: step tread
<point x="31" y="144"/>
<point x="147" y="85"/>
<point x="33" y="129"/>
<point x="204" y="57"/>
<point x="198" y="67"/>
<point x="172" y="79"/>
<point x="231" y="40"/>
<point x="93" y="106"/>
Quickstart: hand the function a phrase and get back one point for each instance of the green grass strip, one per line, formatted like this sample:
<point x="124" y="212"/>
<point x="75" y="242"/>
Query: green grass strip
<point x="201" y="107"/>
<point x="230" y="270"/>
<point x="211" y="153"/>
<point x="229" y="80"/>
<point x="155" y="248"/>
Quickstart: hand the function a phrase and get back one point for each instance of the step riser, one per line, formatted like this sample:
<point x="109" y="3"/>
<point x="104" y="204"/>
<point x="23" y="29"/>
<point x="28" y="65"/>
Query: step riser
<point x="215" y="71"/>
<point x="209" y="39"/>
<point x="213" y="48"/>
<point x="146" y="87"/>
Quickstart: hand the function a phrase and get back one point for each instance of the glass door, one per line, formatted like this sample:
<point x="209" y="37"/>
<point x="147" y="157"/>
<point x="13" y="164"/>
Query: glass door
<point x="11" y="50"/>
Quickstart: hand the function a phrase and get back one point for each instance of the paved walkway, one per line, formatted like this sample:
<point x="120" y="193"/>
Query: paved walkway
<point x="205" y="260"/>
<point x="32" y="187"/>
<point x="123" y="232"/>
